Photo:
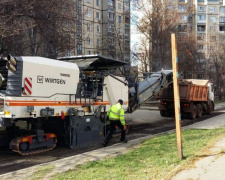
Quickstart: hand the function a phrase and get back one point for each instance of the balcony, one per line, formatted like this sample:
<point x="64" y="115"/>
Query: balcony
<point x="201" y="19"/>
<point x="201" y="28"/>
<point x="201" y="9"/>
<point x="222" y="20"/>
<point x="222" y="28"/>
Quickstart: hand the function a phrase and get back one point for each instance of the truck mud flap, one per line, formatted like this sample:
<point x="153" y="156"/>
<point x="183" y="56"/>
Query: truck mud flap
<point x="85" y="131"/>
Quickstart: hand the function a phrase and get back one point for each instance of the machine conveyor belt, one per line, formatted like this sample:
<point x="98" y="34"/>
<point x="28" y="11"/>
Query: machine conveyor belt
<point x="148" y="88"/>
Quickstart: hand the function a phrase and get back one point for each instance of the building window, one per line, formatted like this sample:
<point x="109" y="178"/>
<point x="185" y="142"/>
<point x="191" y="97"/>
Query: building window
<point x="127" y="44"/>
<point x="181" y="8"/>
<point x="120" y="31"/>
<point x="184" y="18"/>
<point x="98" y="42"/>
<point x="110" y="28"/>
<point x="127" y="20"/>
<point x="222" y="9"/>
<point x="88" y="13"/>
<point x="89" y="40"/>
<point x="97" y="15"/>
<point x="222" y="28"/>
<point x="78" y="3"/>
<point x="88" y="1"/>
<point x="119" y="6"/>
<point x="222" y="19"/>
<point x="112" y="41"/>
<point x="201" y="17"/>
<point x="212" y="19"/>
<point x="31" y="32"/>
<point x="212" y="9"/>
<point x="68" y="52"/>
<point x="201" y="28"/>
<point x="201" y="8"/>
<point x="89" y="52"/>
<point x="88" y="27"/>
<point x="212" y="28"/>
<point x="97" y="2"/>
<point x="79" y="47"/>
<point x="200" y="47"/>
<point x="98" y="28"/>
<point x="127" y="31"/>
<point x="110" y="2"/>
<point x="119" y="19"/>
<point x="111" y="15"/>
<point x="127" y="8"/>
<point x="182" y="28"/>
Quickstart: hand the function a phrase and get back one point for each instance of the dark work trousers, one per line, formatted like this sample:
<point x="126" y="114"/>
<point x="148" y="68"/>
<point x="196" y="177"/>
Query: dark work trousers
<point x="112" y="129"/>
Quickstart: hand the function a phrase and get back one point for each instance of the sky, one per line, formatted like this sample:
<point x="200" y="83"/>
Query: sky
<point x="135" y="35"/>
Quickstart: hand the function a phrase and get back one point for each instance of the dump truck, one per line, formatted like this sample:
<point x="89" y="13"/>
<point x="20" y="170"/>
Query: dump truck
<point x="196" y="98"/>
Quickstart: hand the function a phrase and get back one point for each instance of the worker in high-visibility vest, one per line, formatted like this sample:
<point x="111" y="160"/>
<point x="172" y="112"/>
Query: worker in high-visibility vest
<point x="117" y="118"/>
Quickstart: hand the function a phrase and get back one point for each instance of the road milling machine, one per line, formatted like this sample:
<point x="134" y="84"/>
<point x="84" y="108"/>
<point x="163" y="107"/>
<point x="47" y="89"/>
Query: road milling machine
<point x="45" y="100"/>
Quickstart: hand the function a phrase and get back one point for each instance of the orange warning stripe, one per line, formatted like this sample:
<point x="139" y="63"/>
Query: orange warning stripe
<point x="52" y="103"/>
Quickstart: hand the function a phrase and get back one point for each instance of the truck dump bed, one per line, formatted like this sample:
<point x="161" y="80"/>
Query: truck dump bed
<point x="190" y="90"/>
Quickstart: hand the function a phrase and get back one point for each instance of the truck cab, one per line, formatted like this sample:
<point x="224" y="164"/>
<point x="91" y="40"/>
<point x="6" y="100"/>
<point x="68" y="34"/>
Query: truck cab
<point x="211" y="92"/>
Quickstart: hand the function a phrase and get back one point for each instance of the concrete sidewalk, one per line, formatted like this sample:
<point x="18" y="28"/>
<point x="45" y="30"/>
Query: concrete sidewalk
<point x="209" y="167"/>
<point x="204" y="170"/>
<point x="212" y="165"/>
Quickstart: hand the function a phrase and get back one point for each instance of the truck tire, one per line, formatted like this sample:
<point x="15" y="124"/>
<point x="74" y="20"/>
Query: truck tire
<point x="193" y="112"/>
<point x="199" y="111"/>
<point x="164" y="113"/>
<point x="210" y="108"/>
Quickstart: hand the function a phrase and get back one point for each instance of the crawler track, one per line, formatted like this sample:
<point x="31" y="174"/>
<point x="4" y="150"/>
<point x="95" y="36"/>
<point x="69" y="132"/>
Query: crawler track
<point x="11" y="161"/>
<point x="16" y="147"/>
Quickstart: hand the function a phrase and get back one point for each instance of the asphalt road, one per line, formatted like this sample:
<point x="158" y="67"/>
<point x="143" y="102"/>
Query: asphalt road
<point x="142" y="123"/>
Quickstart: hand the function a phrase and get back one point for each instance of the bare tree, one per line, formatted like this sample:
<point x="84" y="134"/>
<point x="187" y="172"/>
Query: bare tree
<point x="159" y="20"/>
<point x="189" y="56"/>
<point x="216" y="67"/>
<point x="143" y="57"/>
<point x="157" y="23"/>
<point x="37" y="27"/>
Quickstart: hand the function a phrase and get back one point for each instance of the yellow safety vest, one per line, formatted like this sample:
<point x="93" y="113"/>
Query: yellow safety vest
<point x="116" y="112"/>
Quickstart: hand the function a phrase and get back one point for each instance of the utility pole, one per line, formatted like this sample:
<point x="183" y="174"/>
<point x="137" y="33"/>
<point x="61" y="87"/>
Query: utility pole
<point x="176" y="95"/>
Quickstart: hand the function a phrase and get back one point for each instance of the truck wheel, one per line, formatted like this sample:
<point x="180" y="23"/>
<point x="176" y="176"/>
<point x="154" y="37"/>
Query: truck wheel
<point x="164" y="113"/>
<point x="199" y="111"/>
<point x="193" y="112"/>
<point x="210" y="108"/>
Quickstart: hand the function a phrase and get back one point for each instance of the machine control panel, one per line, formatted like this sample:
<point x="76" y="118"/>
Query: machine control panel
<point x="47" y="112"/>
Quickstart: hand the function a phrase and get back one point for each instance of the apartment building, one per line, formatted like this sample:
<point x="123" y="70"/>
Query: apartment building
<point x="207" y="21"/>
<point x="103" y="27"/>
<point x="210" y="28"/>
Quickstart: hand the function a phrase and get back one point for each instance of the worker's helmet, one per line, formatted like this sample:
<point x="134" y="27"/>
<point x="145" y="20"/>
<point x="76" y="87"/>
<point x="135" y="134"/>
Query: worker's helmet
<point x="120" y="101"/>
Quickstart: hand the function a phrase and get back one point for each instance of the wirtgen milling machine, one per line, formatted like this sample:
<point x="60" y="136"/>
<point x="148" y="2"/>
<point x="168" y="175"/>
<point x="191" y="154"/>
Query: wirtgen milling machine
<point x="45" y="100"/>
